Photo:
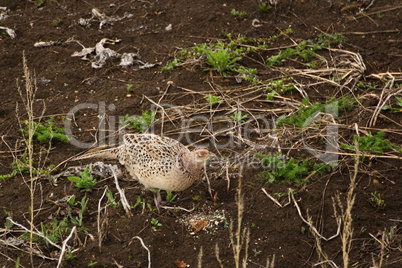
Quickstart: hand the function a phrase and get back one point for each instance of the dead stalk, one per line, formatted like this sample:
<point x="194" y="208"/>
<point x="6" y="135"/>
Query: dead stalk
<point x="63" y="248"/>
<point x="311" y="225"/>
<point x="99" y="219"/>
<point x="147" y="249"/>
<point x="217" y="255"/>
<point x="270" y="263"/>
<point x="123" y="198"/>
<point x="241" y="237"/>
<point x="28" y="99"/>
<point x="200" y="258"/>
<point x="347" y="232"/>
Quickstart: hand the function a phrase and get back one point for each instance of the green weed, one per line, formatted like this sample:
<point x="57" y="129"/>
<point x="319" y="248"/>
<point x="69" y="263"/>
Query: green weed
<point x="155" y="224"/>
<point x="129" y="87"/>
<point x="306" y="49"/>
<point x="69" y="256"/>
<point x="213" y="100"/>
<point x="111" y="201"/>
<point x="328" y="40"/>
<point x="398" y="102"/>
<point x="278" y="87"/>
<point x="288" y="170"/>
<point x="141" y="202"/>
<point x="38" y="3"/>
<point x="170" y="196"/>
<point x="71" y="200"/>
<point x="238" y="14"/>
<point x="139" y="123"/>
<point x="54" y="231"/>
<point x="47" y="132"/>
<point x="306" y="112"/>
<point x="264" y="7"/>
<point x="57" y="22"/>
<point x="86" y="182"/>
<point x="238" y="117"/>
<point x="376" y="200"/>
<point x="221" y="57"/>
<point x="376" y="144"/>
<point x="301" y="50"/>
<point x="21" y="166"/>
<point x="367" y="85"/>
<point x="171" y="65"/>
<point x="77" y="220"/>
<point x="221" y="60"/>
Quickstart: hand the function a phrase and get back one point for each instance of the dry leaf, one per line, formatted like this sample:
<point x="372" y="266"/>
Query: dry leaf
<point x="198" y="225"/>
<point x="180" y="264"/>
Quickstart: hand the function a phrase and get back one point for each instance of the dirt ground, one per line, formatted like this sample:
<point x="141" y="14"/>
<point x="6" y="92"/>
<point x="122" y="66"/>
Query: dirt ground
<point x="157" y="31"/>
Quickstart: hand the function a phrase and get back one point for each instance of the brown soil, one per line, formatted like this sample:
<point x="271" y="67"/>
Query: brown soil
<point x="65" y="82"/>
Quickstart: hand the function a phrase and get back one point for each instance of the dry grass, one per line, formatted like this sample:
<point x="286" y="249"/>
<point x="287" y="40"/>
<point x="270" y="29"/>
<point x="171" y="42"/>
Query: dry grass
<point x="28" y="99"/>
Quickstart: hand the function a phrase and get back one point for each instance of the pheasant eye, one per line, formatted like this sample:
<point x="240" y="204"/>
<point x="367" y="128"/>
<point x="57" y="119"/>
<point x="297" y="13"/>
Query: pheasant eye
<point x="202" y="154"/>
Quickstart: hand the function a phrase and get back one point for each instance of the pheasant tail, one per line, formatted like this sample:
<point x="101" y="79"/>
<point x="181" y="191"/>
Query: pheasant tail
<point x="111" y="153"/>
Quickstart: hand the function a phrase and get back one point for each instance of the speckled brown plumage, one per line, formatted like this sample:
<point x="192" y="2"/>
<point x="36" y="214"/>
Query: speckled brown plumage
<point x="157" y="162"/>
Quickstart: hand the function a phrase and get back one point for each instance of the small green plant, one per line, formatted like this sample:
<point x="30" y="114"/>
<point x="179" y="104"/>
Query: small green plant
<point x="21" y="166"/>
<point x="306" y="112"/>
<point x="264" y="7"/>
<point x="57" y="22"/>
<point x="196" y="198"/>
<point x="367" y="85"/>
<point x="302" y="50"/>
<point x="376" y="200"/>
<point x="92" y="264"/>
<point x="155" y="224"/>
<point x="17" y="263"/>
<point x="222" y="60"/>
<point x="170" y="196"/>
<point x="256" y="252"/>
<point x="238" y="117"/>
<point x="279" y="87"/>
<point x="238" y="14"/>
<point x="138" y="202"/>
<point x="8" y="224"/>
<point x="328" y="40"/>
<point x="71" y="200"/>
<point x="141" y="202"/>
<point x="376" y="144"/>
<point x="223" y="56"/>
<point x="171" y="65"/>
<point x="380" y="15"/>
<point x="213" y="100"/>
<point x="398" y="102"/>
<point x="290" y="170"/>
<point x="129" y="87"/>
<point x="77" y="220"/>
<point x="38" y="3"/>
<point x="111" y="201"/>
<point x="86" y="182"/>
<point x="55" y="230"/>
<point x="47" y="132"/>
<point x="69" y="256"/>
<point x="139" y="123"/>
<point x="306" y="49"/>
<point x="280" y="194"/>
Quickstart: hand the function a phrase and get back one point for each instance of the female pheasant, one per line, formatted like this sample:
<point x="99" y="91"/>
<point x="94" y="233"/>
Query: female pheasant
<point x="157" y="162"/>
